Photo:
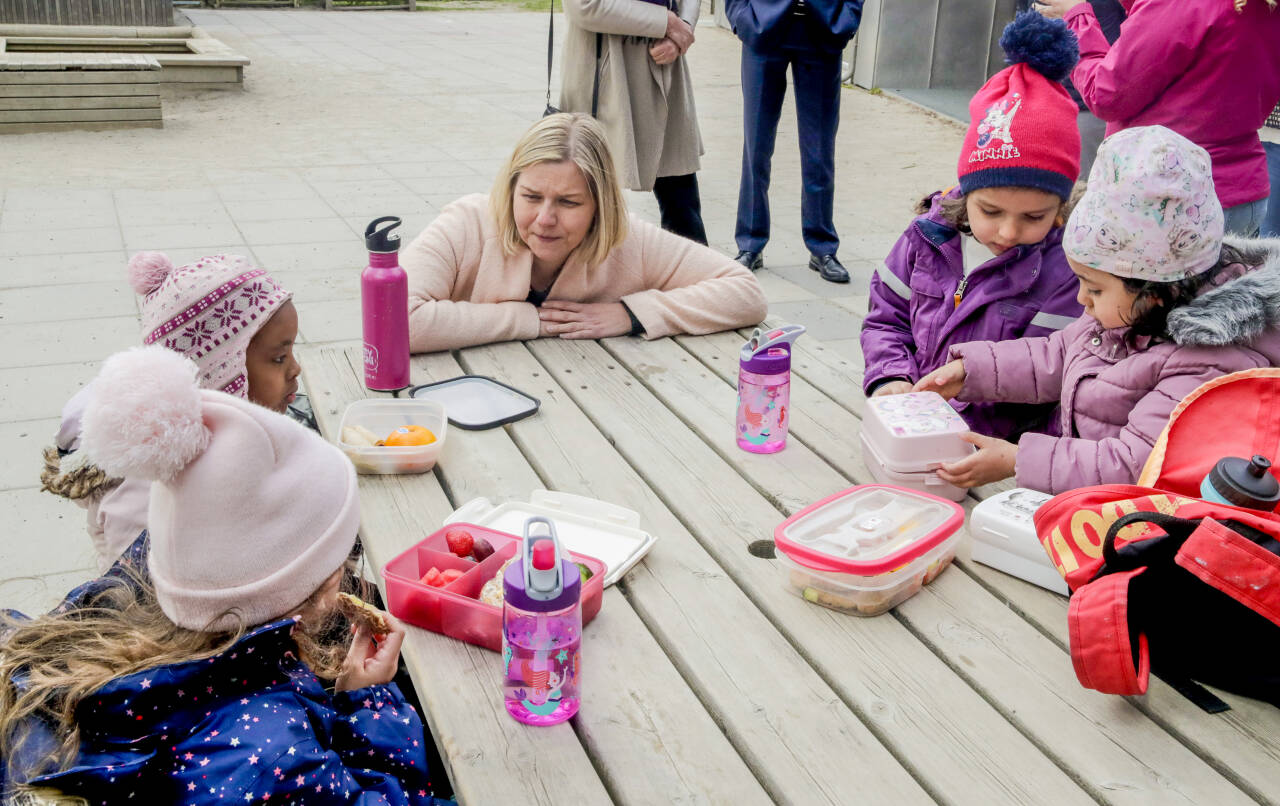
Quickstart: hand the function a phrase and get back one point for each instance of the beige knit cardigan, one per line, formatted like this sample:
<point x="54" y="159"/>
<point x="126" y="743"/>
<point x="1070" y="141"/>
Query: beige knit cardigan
<point x="463" y="290"/>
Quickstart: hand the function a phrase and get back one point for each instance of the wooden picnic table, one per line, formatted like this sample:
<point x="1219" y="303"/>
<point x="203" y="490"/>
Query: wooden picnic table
<point x="705" y="680"/>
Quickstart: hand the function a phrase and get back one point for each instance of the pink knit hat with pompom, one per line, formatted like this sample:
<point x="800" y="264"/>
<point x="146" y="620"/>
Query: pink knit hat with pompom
<point x="208" y="310"/>
<point x="250" y="512"/>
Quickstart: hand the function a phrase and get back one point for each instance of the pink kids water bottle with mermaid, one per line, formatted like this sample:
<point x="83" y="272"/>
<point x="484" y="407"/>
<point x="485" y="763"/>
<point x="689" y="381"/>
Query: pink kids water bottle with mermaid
<point x="384" y="298"/>
<point x="764" y="389"/>
<point x="541" y="630"/>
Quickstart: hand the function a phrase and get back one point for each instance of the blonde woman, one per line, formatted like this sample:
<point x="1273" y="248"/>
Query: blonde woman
<point x="552" y="252"/>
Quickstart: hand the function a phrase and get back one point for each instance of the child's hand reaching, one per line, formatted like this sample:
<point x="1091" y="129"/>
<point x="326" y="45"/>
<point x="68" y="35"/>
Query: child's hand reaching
<point x="947" y="380"/>
<point x="993" y="461"/>
<point x="892" y="388"/>
<point x="370" y="662"/>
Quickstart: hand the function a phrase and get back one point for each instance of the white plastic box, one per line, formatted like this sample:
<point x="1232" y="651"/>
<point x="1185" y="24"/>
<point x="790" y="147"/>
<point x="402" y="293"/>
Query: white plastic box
<point x="1004" y="538"/>
<point x="384" y="416"/>
<point x="868" y="548"/>
<point x="905" y="437"/>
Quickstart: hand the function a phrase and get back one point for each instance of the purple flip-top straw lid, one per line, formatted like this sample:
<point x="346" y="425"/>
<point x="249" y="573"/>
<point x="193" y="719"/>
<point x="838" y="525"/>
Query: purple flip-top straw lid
<point x="516" y="595"/>
<point x="773" y="361"/>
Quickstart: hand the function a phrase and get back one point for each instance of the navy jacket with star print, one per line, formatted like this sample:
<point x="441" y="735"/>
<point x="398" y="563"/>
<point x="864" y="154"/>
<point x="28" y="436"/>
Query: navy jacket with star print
<point x="251" y="725"/>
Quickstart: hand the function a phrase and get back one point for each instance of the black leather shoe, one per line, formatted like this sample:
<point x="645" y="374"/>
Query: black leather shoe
<point x="829" y="268"/>
<point x="752" y="260"/>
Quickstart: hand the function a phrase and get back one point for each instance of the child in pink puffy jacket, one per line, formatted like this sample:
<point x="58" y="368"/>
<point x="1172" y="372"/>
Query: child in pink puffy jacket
<point x="236" y="323"/>
<point x="1169" y="306"/>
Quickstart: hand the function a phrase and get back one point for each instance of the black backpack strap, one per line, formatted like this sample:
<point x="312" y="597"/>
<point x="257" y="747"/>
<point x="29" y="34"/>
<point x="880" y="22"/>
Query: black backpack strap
<point x="595" y="85"/>
<point x="551" y="39"/>
<point x="1171" y="524"/>
<point x="1202" y="697"/>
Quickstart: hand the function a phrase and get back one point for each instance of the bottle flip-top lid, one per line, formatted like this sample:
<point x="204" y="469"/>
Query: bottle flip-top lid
<point x="768" y="352"/>
<point x="1246" y="482"/>
<point x="378" y="236"/>
<point x="541" y="580"/>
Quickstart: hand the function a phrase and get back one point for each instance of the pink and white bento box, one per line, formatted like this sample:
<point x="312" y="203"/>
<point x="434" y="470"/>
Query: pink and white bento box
<point x="868" y="548"/>
<point x="905" y="438"/>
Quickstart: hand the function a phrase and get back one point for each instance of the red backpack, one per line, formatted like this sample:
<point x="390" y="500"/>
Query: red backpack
<point x="1164" y="582"/>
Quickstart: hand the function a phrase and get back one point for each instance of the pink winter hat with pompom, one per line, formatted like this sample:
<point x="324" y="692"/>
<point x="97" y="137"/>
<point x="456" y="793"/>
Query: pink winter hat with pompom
<point x="208" y="310"/>
<point x="250" y="512"/>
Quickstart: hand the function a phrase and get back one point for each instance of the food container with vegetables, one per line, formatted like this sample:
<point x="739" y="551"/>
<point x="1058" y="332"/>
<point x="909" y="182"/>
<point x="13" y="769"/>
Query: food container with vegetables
<point x="393" y="436"/>
<point x="868" y="548"/>
<point x="451" y="583"/>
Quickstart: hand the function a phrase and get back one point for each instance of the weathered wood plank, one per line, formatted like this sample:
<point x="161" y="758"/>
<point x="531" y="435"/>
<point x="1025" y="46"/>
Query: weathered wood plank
<point x="77" y="115"/>
<point x="64" y="102"/>
<point x="466" y="715"/>
<point x="1025" y="673"/>
<point x="934" y="722"/>
<point x="796" y="734"/>
<point x="79" y="77"/>
<point x="84" y="126"/>
<point x="77" y="90"/>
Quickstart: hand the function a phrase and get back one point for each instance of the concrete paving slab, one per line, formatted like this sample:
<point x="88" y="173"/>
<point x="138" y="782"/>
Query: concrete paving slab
<point x="825" y="320"/>
<point x="135" y="216"/>
<point x="37" y="343"/>
<point x="60" y="303"/>
<point x="259" y="210"/>
<point x="34" y="595"/>
<point x="60" y="269"/>
<point x="294" y="230"/>
<point x="45" y="534"/>
<point x="23" y="220"/>
<point x="329" y="321"/>
<point x="180" y="236"/>
<point x="56" y="241"/>
<point x="778" y="289"/>
<point x="259" y="190"/>
<point x="24" y="443"/>
<point x="55" y="198"/>
<point x="850" y="349"/>
<point x="34" y="393"/>
<point x="322" y="286"/>
<point x="322" y="256"/>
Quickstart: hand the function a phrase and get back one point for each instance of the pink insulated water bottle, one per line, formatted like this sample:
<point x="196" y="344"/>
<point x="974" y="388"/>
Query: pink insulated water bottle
<point x="384" y="296"/>
<point x="764" y="389"/>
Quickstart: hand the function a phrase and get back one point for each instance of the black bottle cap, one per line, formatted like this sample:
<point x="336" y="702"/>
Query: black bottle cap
<point x="378" y="236"/>
<point x="1246" y="482"/>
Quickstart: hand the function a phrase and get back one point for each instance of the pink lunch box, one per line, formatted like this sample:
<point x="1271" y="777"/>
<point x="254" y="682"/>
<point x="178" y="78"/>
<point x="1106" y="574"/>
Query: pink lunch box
<point x="905" y="438"/>
<point x="456" y="610"/>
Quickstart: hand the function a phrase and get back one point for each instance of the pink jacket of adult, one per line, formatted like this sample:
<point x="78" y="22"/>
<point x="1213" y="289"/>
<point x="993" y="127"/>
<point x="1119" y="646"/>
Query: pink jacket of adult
<point x="1116" y="397"/>
<point x="464" y="290"/>
<point x="1195" y="66"/>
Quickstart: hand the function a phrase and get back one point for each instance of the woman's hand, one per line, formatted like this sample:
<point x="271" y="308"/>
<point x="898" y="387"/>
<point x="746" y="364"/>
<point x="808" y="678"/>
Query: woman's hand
<point x="664" y="51"/>
<point x="993" y="461"/>
<point x="947" y="380"/>
<point x="583" y="320"/>
<point x="679" y="32"/>
<point x="892" y="388"/>
<point x="1055" y="9"/>
<point x="370" y="662"/>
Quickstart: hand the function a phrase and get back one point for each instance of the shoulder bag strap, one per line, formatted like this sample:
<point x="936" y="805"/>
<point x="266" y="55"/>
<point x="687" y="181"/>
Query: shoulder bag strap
<point x="595" y="84"/>
<point x="551" y="38"/>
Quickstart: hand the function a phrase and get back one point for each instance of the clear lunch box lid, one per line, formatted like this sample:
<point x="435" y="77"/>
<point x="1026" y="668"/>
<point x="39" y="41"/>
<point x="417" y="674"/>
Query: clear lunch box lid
<point x="477" y="402"/>
<point x="866" y="530"/>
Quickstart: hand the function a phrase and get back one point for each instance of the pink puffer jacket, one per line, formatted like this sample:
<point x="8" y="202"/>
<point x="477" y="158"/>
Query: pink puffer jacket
<point x="1116" y="397"/>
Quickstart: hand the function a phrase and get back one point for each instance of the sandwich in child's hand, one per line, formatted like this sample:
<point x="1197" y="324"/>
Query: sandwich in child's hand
<point x="361" y="612"/>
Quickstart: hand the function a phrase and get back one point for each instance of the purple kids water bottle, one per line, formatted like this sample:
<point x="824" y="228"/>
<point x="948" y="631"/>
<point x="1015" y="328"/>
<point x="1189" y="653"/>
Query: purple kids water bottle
<point x="541" y="631"/>
<point x="384" y="296"/>
<point x="764" y="389"/>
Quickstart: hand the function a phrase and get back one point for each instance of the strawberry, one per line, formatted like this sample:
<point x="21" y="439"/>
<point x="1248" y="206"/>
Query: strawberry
<point x="460" y="542"/>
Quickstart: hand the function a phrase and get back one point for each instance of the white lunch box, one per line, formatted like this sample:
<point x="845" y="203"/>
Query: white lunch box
<point x="905" y="438"/>
<point x="1004" y="537"/>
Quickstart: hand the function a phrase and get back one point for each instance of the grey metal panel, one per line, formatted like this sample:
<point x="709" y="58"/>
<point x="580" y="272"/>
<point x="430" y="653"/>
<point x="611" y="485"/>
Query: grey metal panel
<point x="906" y="41"/>
<point x="962" y="43"/>
<point x="864" y="65"/>
<point x="1003" y="15"/>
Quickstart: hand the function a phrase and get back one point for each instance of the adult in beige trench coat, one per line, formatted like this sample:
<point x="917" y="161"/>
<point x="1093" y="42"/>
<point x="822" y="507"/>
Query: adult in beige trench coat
<point x="645" y="106"/>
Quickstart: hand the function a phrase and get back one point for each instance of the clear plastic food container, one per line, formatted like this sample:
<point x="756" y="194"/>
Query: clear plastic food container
<point x="379" y="418"/>
<point x="905" y="438"/>
<point x="868" y="548"/>
<point x="456" y="610"/>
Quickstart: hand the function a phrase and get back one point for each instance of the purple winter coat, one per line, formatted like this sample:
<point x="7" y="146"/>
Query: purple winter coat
<point x="913" y="320"/>
<point x="1116" y="397"/>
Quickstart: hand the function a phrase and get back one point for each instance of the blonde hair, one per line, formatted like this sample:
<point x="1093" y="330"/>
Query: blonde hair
<point x="1240" y="4"/>
<point x="50" y="664"/>
<point x="565" y="137"/>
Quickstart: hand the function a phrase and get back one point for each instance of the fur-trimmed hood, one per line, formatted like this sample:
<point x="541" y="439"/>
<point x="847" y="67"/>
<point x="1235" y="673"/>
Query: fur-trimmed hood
<point x="1241" y="309"/>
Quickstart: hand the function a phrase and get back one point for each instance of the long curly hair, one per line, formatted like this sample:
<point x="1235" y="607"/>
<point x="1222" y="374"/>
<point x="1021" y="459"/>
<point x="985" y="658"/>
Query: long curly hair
<point x="50" y="664"/>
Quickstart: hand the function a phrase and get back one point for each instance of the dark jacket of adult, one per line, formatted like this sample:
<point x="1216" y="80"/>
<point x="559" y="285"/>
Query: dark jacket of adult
<point x="761" y="24"/>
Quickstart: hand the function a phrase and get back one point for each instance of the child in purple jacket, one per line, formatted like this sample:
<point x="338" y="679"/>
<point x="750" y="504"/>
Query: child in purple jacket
<point x="1168" y="307"/>
<point x="985" y="259"/>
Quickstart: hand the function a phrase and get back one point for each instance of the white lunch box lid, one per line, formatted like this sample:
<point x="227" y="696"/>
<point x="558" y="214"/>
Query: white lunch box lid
<point x="927" y="481"/>
<point x="1004" y="538"/>
<point x="914" y="431"/>
<point x="598" y="529"/>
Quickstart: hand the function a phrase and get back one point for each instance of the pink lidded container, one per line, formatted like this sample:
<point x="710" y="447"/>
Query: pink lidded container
<point x="869" y="548"/>
<point x="465" y="609"/>
<point x="905" y="438"/>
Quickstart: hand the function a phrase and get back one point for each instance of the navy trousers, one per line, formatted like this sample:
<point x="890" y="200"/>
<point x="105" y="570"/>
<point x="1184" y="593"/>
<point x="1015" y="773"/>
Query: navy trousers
<point x="815" y="74"/>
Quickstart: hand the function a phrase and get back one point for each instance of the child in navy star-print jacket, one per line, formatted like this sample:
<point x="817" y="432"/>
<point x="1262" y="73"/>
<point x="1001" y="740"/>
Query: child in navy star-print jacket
<point x="197" y="682"/>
